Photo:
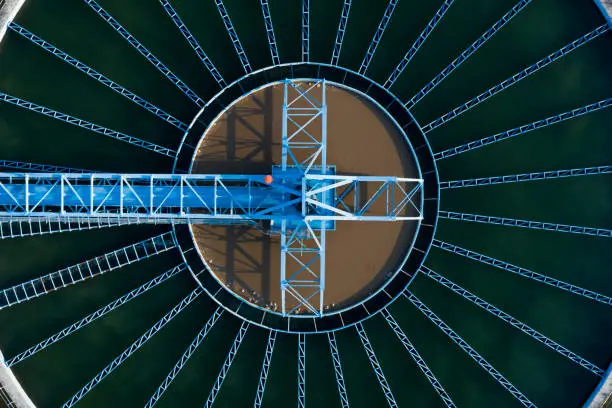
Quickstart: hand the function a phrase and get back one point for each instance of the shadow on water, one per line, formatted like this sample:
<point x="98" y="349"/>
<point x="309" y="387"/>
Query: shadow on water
<point x="243" y="146"/>
<point x="236" y="152"/>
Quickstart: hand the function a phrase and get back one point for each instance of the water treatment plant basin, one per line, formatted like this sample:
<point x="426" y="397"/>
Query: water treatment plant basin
<point x="152" y="190"/>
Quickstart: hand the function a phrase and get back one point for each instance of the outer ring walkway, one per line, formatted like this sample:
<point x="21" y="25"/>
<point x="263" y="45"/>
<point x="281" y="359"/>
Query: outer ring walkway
<point x="606" y="9"/>
<point x="10" y="387"/>
<point x="8" y="11"/>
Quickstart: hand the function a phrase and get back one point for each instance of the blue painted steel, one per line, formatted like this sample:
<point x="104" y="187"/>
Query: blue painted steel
<point x="517" y="178"/>
<point x="145" y="52"/>
<point x="302" y="247"/>
<point x="399" y="69"/>
<point x="480" y="360"/>
<point x="448" y="402"/>
<point x="467" y="53"/>
<point x="530" y="70"/>
<point x="139" y="196"/>
<point x="22" y="103"/>
<point x="512" y="222"/>
<point x="233" y="36"/>
<point x="384" y="385"/>
<point x="265" y="8"/>
<point x="231" y="354"/>
<point x="305" y="30"/>
<point x="134" y="347"/>
<point x="202" y="198"/>
<point x="382" y="26"/>
<point x="346" y="8"/>
<point x="43" y="168"/>
<point x="333" y="347"/>
<point x="301" y="370"/>
<point x="526" y="273"/>
<point x="101" y="312"/>
<point x="98" y="77"/>
<point x="265" y="368"/>
<point x="89" y="269"/>
<point x="184" y="358"/>
<point x="176" y="19"/>
<point x="302" y="250"/>
<point x="395" y="196"/>
<point x="304" y="108"/>
<point x="19" y="228"/>
<point x="512" y="321"/>
<point x="524" y="129"/>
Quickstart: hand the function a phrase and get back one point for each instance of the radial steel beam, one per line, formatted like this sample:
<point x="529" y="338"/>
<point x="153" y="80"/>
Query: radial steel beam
<point x="133" y="347"/>
<point x="512" y="222"/>
<point x="333" y="348"/>
<point x="304" y="125"/>
<point x="448" y="402"/>
<point x="526" y="273"/>
<point x="265" y="368"/>
<point x="346" y="8"/>
<point x="153" y="197"/>
<point x="530" y="70"/>
<point x="362" y="198"/>
<point x="514" y="322"/>
<point x="302" y="269"/>
<point x="89" y="269"/>
<point x="467" y="53"/>
<point x="305" y="30"/>
<point x="22" y="103"/>
<point x="605" y="103"/>
<point x="203" y="198"/>
<point x="145" y="52"/>
<point x="382" y="26"/>
<point x="265" y="8"/>
<point x="90" y="318"/>
<point x="19" y="228"/>
<point x="185" y="358"/>
<point x="301" y="370"/>
<point x="517" y="178"/>
<point x="229" y="27"/>
<point x="176" y="19"/>
<point x="480" y="360"/>
<point x="399" y="69"/>
<point x="226" y="365"/>
<point x="384" y="385"/>
<point x="90" y="72"/>
<point x="43" y="168"/>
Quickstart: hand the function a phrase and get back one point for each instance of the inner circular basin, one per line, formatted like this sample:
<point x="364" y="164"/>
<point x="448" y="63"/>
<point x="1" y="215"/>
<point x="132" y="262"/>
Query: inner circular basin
<point x="362" y="139"/>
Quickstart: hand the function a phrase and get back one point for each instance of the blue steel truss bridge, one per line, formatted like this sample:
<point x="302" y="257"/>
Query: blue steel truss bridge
<point x="420" y="192"/>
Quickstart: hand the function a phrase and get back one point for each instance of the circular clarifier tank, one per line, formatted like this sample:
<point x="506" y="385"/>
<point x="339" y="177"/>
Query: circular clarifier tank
<point x="362" y="139"/>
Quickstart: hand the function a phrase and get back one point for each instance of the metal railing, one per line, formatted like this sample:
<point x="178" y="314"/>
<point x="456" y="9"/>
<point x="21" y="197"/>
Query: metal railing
<point x="5" y="399"/>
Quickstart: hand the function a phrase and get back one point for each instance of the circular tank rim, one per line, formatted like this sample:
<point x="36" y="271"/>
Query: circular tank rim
<point x="389" y="117"/>
<point x="432" y="174"/>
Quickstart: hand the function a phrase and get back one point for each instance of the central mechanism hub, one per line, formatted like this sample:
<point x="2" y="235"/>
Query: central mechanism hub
<point x="297" y="204"/>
